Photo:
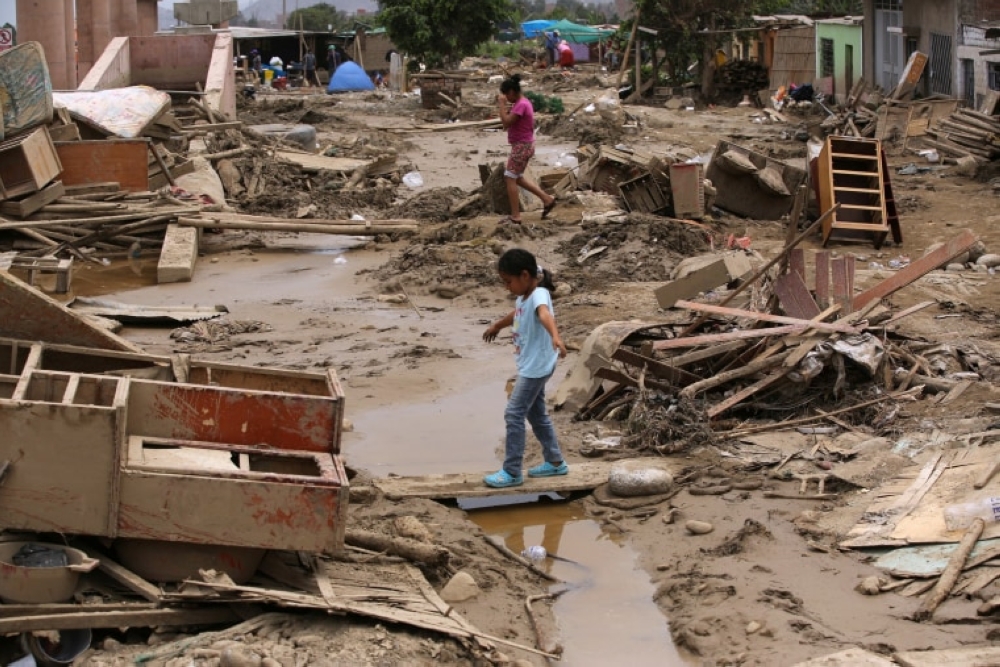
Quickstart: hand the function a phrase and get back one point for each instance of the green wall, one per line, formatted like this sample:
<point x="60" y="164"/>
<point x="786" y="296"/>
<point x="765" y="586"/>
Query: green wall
<point x="842" y="36"/>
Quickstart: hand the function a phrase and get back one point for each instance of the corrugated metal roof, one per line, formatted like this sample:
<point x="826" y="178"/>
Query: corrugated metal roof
<point x="843" y="20"/>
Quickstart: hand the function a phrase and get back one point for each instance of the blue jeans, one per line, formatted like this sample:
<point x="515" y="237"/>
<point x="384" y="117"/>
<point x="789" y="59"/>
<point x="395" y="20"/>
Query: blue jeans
<point x="527" y="401"/>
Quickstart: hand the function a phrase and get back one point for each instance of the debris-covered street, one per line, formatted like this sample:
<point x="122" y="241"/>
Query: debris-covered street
<point x="248" y="407"/>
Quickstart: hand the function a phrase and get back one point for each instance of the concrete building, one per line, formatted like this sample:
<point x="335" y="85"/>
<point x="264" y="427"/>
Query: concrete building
<point x="839" y="55"/>
<point x="958" y="37"/>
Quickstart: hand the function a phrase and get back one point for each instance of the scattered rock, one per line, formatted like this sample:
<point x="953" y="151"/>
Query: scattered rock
<point x="977" y="250"/>
<point x="236" y="657"/>
<point x="752" y="627"/>
<point x="966" y="166"/>
<point x="989" y="260"/>
<point x="111" y="644"/>
<point x="461" y="587"/>
<point x="698" y="527"/>
<point x="347" y="426"/>
<point x="955" y="267"/>
<point x="699" y="628"/>
<point x="412" y="527"/>
<point x="562" y="290"/>
<point x="637" y="478"/>
<point x="392" y="298"/>
<point x="870" y="585"/>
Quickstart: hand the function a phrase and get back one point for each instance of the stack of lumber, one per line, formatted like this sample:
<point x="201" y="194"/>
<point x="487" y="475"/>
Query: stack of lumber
<point x="788" y="346"/>
<point x="967" y="133"/>
<point x="744" y="76"/>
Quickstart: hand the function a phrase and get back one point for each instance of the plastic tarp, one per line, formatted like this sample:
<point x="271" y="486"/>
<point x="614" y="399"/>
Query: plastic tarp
<point x="532" y="29"/>
<point x="349" y="76"/>
<point x="574" y="33"/>
<point x="123" y="112"/>
<point x="25" y="89"/>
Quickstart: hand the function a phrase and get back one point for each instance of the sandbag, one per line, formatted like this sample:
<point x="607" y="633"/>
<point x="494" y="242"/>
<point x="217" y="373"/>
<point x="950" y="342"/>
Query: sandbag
<point x="771" y="181"/>
<point x="639" y="478"/>
<point x="736" y="163"/>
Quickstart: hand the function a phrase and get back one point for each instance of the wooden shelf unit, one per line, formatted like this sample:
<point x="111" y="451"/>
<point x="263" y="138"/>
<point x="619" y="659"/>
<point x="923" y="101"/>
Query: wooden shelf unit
<point x="851" y="173"/>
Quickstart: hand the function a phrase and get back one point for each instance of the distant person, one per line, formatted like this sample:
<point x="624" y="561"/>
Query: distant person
<point x="537" y="346"/>
<point x="256" y="65"/>
<point x="566" y="57"/>
<point x="552" y="47"/>
<point x="309" y="65"/>
<point x="518" y="118"/>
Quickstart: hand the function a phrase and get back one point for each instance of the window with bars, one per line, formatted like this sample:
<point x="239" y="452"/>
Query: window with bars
<point x="825" y="57"/>
<point x="993" y="76"/>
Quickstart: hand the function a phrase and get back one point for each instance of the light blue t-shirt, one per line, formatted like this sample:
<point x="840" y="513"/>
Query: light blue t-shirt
<point x="532" y="343"/>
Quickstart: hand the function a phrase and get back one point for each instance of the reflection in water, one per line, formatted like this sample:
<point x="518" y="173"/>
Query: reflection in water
<point x="608" y="612"/>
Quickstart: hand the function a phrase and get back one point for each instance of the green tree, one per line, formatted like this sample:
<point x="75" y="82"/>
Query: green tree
<point x="442" y="31"/>
<point x="317" y="18"/>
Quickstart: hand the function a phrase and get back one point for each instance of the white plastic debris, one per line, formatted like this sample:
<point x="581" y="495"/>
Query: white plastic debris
<point x="413" y="179"/>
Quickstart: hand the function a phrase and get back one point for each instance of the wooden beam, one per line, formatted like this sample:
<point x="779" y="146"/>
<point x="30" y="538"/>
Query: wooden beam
<point x="794" y="296"/>
<point x="767" y="317"/>
<point x="918" y="269"/>
<point x="709" y="352"/>
<point x="118" y="619"/>
<point x="741" y="334"/>
<point x="129" y="579"/>
<point x="672" y="374"/>
<point x="747" y="392"/>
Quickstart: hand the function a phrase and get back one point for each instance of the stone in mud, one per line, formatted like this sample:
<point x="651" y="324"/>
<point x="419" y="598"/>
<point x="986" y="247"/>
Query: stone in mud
<point x="461" y="587"/>
<point x="639" y="478"/>
<point x="752" y="627"/>
<point x="698" y="527"/>
<point x="448" y="291"/>
<point x="989" y="260"/>
<point x="236" y="657"/>
<point x="562" y="290"/>
<point x="870" y="585"/>
<point x="412" y="527"/>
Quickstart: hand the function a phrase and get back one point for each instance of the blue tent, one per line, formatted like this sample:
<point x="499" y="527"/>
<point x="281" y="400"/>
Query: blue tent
<point x="349" y="76"/>
<point x="531" y="29"/>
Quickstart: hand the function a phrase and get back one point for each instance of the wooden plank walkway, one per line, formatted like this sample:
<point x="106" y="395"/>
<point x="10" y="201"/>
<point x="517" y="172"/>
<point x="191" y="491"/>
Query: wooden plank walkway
<point x="582" y="477"/>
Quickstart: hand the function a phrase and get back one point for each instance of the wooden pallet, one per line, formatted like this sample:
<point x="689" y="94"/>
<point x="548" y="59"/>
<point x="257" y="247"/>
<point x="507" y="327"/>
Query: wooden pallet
<point x="642" y="194"/>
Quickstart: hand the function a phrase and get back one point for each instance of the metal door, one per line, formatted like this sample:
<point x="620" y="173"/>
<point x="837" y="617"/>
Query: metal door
<point x="889" y="55"/>
<point x="940" y="64"/>
<point x="969" y="82"/>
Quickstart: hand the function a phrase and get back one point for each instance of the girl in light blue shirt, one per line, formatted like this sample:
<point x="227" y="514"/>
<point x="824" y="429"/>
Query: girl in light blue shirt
<point x="537" y="346"/>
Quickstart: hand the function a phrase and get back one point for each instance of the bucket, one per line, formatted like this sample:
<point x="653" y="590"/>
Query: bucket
<point x="268" y="75"/>
<point x="70" y="645"/>
<point x="38" y="585"/>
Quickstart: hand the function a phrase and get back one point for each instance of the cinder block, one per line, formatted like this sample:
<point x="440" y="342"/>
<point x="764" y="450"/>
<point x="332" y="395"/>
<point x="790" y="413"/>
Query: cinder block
<point x="178" y="255"/>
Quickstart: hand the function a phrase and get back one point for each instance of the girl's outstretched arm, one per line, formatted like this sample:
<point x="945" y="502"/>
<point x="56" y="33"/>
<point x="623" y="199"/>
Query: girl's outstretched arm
<point x="491" y="332"/>
<point x="549" y="322"/>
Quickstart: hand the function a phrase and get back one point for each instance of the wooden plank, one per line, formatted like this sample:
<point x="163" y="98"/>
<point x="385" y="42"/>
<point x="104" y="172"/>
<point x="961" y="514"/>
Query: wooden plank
<point x="677" y="376"/>
<point x="794" y="297"/>
<point x="12" y="609"/>
<point x="68" y="132"/>
<point x="709" y="352"/>
<point x="24" y="207"/>
<point x="119" y="619"/>
<point x="747" y="392"/>
<point x="906" y="313"/>
<point x="852" y="657"/>
<point x="917" y="269"/>
<point x="582" y="477"/>
<point x="768" y="317"/>
<point x="700" y="280"/>
<point x="797" y="262"/>
<point x="742" y="334"/>
<point x="841" y="295"/>
<point x="129" y="579"/>
<point x="92" y="162"/>
<point x="964" y="656"/>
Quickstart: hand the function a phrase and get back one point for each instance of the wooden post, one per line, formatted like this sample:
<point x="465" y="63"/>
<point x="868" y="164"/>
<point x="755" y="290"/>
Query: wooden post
<point x="628" y="48"/>
<point x="638" y="63"/>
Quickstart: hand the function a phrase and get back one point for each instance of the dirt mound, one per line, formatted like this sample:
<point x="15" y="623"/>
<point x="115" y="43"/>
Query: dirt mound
<point x="585" y="128"/>
<point x="453" y="269"/>
<point x="434" y="204"/>
<point x="641" y="248"/>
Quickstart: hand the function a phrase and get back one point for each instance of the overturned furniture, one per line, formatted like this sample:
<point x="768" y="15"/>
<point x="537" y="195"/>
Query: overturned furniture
<point x="129" y="445"/>
<point x="752" y="184"/>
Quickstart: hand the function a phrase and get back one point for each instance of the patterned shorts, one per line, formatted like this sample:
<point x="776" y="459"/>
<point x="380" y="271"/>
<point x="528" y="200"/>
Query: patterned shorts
<point x="517" y="163"/>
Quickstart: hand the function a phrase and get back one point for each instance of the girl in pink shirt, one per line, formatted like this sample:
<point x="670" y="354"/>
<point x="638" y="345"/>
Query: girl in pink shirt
<point x="518" y="118"/>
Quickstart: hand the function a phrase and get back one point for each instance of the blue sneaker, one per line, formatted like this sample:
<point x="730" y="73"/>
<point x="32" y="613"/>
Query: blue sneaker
<point x="502" y="479"/>
<point x="548" y="470"/>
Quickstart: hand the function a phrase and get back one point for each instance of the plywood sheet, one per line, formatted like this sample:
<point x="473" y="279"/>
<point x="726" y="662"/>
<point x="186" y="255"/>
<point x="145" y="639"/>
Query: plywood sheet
<point x="963" y="656"/>
<point x="122" y="161"/>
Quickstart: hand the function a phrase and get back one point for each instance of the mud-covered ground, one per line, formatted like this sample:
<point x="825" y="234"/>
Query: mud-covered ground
<point x="768" y="586"/>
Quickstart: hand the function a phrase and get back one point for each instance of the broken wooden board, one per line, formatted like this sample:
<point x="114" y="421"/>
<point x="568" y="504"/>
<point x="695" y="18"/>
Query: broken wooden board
<point x="909" y="509"/>
<point x="123" y="161"/>
<point x="963" y="656"/>
<point x="129" y="313"/>
<point x="928" y="560"/>
<point x="119" y="619"/>
<point x="794" y="297"/>
<point x="917" y="269"/>
<point x="716" y="272"/>
<point x="582" y="477"/>
<point x="852" y="657"/>
<point x="22" y="208"/>
<point x="26" y="313"/>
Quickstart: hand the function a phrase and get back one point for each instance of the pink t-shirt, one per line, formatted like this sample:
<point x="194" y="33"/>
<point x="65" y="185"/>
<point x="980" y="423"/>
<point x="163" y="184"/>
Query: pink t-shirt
<point x="522" y="130"/>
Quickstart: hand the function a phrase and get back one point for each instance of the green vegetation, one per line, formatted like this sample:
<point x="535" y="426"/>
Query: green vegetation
<point x="511" y="50"/>
<point x="543" y="104"/>
<point x="318" y="18"/>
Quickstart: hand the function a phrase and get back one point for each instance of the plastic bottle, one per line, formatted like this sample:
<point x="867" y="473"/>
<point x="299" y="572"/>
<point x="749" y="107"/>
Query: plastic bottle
<point x="961" y="515"/>
<point x="538" y="553"/>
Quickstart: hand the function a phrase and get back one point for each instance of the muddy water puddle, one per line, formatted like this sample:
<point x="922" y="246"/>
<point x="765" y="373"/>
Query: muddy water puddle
<point x="608" y="611"/>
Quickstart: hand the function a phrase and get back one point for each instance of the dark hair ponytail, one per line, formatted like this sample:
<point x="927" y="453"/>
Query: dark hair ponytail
<point x="511" y="84"/>
<point x="516" y="261"/>
<point x="545" y="279"/>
